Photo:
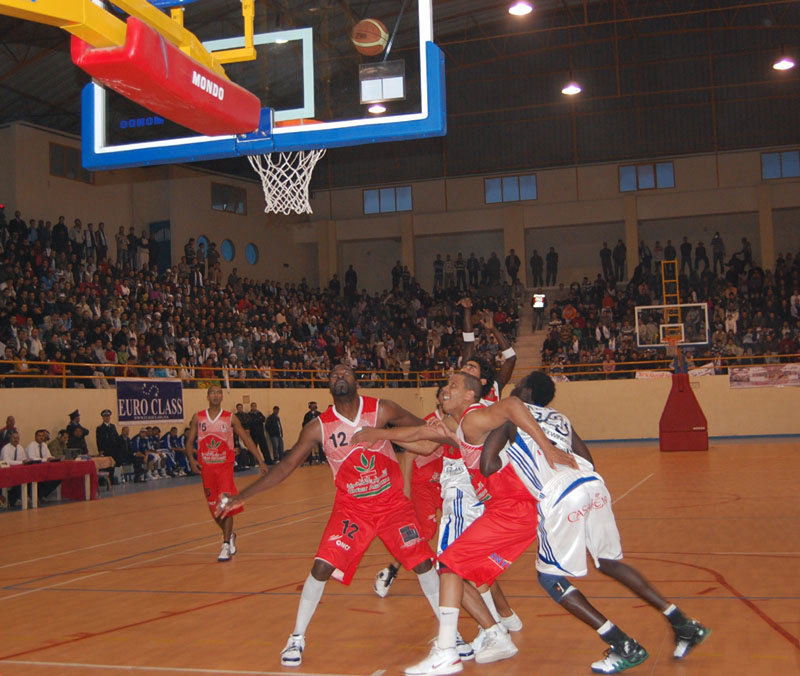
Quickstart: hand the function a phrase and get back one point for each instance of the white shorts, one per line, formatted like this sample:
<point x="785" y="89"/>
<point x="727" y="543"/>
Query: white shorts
<point x="573" y="521"/>
<point x="460" y="504"/>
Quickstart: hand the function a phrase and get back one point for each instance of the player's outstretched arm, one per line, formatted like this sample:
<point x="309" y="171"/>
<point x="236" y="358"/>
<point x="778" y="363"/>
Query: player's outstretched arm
<point x="310" y="436"/>
<point x="191" y="436"/>
<point x="244" y="435"/>
<point x="390" y="412"/>
<point x="468" y="329"/>
<point x="495" y="442"/>
<point x="419" y="439"/>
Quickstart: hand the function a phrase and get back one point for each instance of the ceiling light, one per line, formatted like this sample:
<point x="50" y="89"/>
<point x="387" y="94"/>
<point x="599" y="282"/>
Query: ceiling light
<point x="281" y="41"/>
<point x="521" y="8"/>
<point x="571" y="88"/>
<point x="377" y="109"/>
<point x="784" y="63"/>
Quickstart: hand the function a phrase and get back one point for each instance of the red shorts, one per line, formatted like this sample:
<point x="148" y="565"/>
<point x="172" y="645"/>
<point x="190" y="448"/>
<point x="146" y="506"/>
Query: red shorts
<point x="355" y="523"/>
<point x="218" y="479"/>
<point x="427" y="499"/>
<point x="493" y="541"/>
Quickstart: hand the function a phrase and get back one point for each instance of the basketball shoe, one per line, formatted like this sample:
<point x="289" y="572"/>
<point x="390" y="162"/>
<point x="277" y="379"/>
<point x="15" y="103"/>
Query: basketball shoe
<point x="232" y="543"/>
<point x="225" y="553"/>
<point x="464" y="649"/>
<point x="620" y="657"/>
<point x="292" y="654"/>
<point x="439" y="662"/>
<point x="512" y="622"/>
<point x="497" y="645"/>
<point x="384" y="580"/>
<point x="687" y="636"/>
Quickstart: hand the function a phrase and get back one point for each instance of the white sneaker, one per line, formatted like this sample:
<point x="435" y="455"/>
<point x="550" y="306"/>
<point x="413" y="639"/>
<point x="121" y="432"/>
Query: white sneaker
<point x="292" y="654"/>
<point x="232" y="543"/>
<point x="152" y="475"/>
<point x="225" y="553"/>
<point x="438" y="663"/>
<point x="497" y="645"/>
<point x="512" y="622"/>
<point x="384" y="580"/>
<point x="465" y="651"/>
<point x="477" y="642"/>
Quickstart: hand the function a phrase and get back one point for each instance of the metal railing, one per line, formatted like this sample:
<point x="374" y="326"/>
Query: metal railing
<point x="14" y="373"/>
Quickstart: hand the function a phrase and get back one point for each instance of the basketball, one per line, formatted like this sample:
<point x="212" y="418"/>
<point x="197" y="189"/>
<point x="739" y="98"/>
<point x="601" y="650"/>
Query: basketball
<point x="369" y="37"/>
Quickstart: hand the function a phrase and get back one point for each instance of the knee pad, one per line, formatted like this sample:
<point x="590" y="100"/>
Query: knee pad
<point x="556" y="585"/>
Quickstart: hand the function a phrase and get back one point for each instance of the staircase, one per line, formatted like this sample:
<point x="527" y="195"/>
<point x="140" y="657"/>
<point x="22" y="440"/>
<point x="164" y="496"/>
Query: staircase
<point x="528" y="344"/>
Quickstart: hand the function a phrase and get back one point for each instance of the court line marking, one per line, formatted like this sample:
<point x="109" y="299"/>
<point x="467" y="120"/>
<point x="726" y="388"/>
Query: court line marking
<point x="141" y="535"/>
<point x="50" y="586"/>
<point x="183" y="670"/>
<point x="213" y="544"/>
<point x="633" y="488"/>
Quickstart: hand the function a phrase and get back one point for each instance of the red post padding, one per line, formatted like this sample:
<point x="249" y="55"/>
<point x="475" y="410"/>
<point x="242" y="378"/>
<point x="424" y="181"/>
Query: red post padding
<point x="154" y="73"/>
<point x="683" y="425"/>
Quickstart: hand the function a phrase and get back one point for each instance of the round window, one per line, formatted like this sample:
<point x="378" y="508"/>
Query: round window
<point x="228" y="250"/>
<point x="252" y="254"/>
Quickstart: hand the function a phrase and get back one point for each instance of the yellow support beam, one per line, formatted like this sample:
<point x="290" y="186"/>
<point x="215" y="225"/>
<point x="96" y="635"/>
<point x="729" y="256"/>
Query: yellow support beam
<point x="83" y="18"/>
<point x="248" y="52"/>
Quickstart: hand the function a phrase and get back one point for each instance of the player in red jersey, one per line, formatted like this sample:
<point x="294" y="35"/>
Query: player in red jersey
<point x="426" y="496"/>
<point x="369" y="499"/>
<point x="214" y="429"/>
<point x="495" y="539"/>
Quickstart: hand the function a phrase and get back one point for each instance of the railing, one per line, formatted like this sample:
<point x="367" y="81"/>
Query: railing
<point x="82" y="374"/>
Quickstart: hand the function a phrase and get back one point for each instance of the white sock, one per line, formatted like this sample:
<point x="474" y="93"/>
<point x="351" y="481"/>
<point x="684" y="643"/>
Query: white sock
<point x="497" y="630"/>
<point x="309" y="600"/>
<point x="448" y="625"/>
<point x="489" y="601"/>
<point x="429" y="582"/>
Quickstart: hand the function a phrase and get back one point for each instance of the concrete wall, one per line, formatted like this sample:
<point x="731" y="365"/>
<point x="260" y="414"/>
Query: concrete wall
<point x="619" y="409"/>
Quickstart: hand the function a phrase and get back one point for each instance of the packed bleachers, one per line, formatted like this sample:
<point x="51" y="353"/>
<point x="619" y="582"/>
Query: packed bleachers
<point x="70" y="316"/>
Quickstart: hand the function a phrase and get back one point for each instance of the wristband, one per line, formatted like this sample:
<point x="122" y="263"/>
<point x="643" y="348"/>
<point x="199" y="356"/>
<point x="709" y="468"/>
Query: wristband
<point x="469" y="337"/>
<point x="508" y="353"/>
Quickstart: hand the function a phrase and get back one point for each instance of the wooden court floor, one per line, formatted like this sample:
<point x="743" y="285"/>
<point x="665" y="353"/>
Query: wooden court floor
<point x="131" y="583"/>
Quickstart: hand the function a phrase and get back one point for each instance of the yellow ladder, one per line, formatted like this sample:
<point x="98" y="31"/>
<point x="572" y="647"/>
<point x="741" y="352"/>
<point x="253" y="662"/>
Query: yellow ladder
<point x="671" y="292"/>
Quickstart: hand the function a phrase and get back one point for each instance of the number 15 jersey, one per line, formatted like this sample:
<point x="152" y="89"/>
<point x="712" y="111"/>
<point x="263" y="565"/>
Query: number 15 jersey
<point x="358" y="471"/>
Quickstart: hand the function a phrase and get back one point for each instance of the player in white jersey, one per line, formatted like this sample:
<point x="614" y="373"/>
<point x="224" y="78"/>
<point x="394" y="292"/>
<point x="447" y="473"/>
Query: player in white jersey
<point x="575" y="516"/>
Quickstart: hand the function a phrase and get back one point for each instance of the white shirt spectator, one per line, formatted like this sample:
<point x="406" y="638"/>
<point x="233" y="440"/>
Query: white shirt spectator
<point x="38" y="451"/>
<point x="13" y="455"/>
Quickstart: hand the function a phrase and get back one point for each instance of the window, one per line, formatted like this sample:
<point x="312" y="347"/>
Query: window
<point x="204" y="241"/>
<point x="387" y="200"/>
<point x="66" y="162"/>
<point x="510" y="188"/>
<point x="780" y="165"/>
<point x="646" y="176"/>
<point x="251" y="254"/>
<point x="228" y="198"/>
<point x="228" y="250"/>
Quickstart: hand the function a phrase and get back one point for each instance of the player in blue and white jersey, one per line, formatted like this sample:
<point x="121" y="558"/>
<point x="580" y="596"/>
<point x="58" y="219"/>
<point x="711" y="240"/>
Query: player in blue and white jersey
<point x="575" y="516"/>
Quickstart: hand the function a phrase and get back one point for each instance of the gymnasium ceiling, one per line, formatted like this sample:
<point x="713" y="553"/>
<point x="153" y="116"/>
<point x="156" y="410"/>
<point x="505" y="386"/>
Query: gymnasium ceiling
<point x="659" y="77"/>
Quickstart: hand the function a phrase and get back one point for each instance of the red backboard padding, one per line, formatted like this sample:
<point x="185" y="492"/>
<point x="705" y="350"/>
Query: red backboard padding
<point x="154" y="73"/>
<point x="683" y="425"/>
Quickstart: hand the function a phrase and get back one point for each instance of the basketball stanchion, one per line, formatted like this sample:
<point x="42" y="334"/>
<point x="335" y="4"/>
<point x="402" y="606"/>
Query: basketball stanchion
<point x="285" y="178"/>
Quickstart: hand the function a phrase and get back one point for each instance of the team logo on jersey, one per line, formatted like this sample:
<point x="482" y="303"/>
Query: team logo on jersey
<point x="213" y="444"/>
<point x="367" y="465"/>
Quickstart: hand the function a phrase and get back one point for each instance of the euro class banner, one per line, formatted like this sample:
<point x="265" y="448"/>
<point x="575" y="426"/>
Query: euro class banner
<point x="143" y="401"/>
<point x="768" y="375"/>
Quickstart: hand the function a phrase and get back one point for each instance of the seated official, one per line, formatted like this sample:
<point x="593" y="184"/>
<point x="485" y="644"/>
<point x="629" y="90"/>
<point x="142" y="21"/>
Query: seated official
<point x="37" y="451"/>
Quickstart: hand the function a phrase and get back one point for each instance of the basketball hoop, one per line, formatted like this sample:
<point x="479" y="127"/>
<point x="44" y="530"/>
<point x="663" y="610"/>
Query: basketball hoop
<point x="285" y="178"/>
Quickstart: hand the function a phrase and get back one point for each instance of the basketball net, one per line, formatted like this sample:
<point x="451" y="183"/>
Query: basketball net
<point x="672" y="344"/>
<point x="285" y="178"/>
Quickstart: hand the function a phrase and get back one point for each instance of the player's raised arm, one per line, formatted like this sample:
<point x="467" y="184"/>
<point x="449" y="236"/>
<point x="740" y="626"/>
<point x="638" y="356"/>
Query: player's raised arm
<point x="510" y="356"/>
<point x="244" y="435"/>
<point x="191" y="437"/>
<point x="468" y="330"/>
<point x="310" y="436"/>
<point x="495" y="442"/>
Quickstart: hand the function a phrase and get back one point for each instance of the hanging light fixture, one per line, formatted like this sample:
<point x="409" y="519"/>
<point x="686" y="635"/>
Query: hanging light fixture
<point x="572" y="87"/>
<point x="521" y="8"/>
<point x="783" y="62"/>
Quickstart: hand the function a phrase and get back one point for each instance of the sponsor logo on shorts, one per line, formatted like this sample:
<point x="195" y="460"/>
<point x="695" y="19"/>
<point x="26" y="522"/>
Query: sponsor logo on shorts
<point x="499" y="561"/>
<point x="343" y="545"/>
<point x="409" y="533"/>
<point x="598" y="502"/>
